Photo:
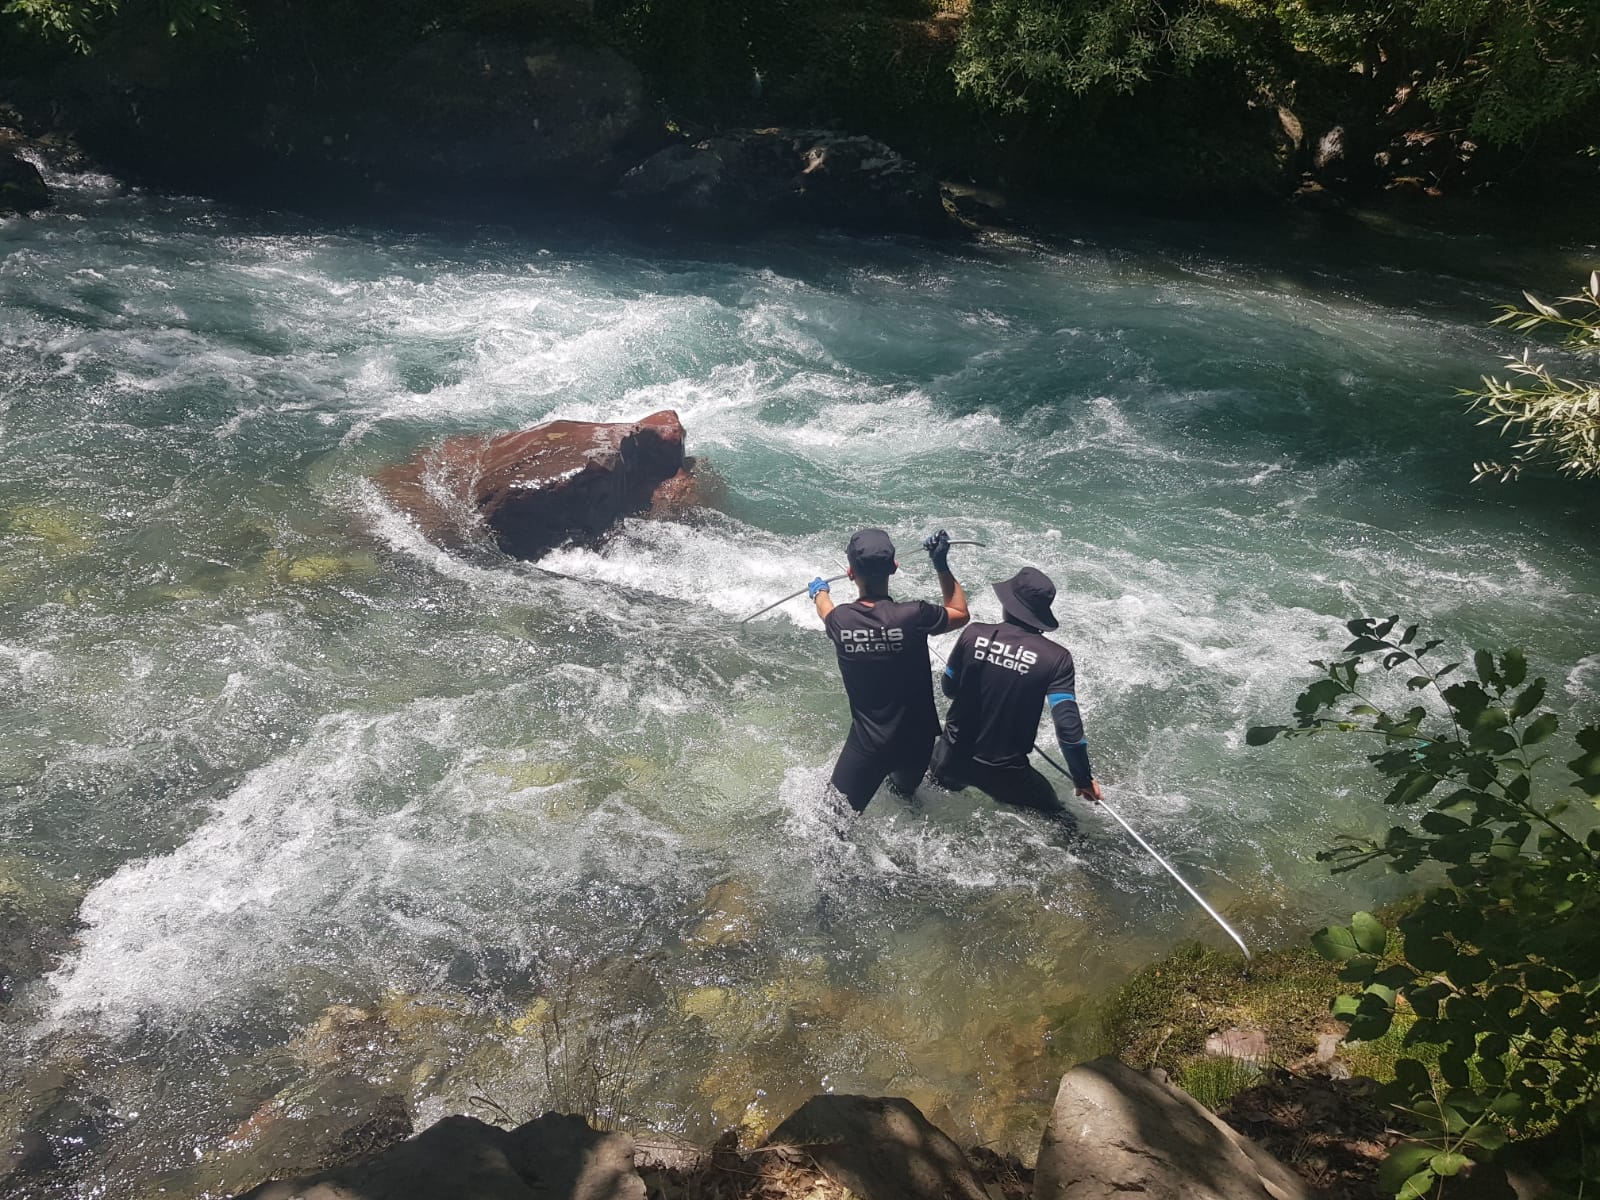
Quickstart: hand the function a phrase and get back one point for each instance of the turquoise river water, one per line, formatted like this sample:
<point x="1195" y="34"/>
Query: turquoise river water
<point x="324" y="813"/>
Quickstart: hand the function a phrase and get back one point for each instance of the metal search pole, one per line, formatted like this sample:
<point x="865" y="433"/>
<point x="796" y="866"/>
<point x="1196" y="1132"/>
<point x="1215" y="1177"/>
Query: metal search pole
<point x="832" y="579"/>
<point x="1171" y="870"/>
<point x="786" y="599"/>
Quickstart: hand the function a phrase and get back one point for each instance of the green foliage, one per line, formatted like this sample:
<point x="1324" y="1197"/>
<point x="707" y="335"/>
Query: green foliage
<point x="1557" y="419"/>
<point x="1501" y="964"/>
<point x="1017" y="54"/>
<point x="81" y="23"/>
<point x="1505" y="71"/>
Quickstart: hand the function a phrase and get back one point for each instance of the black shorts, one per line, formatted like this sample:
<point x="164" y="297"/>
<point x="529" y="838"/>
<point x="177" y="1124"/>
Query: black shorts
<point x="1019" y="784"/>
<point x="861" y="769"/>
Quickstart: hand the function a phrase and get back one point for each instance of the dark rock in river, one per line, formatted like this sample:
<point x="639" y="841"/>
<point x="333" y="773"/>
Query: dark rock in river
<point x="880" y="1149"/>
<point x="1115" y="1131"/>
<point x="557" y="482"/>
<point x="788" y="176"/>
<point x="551" y="1158"/>
<point x="22" y="188"/>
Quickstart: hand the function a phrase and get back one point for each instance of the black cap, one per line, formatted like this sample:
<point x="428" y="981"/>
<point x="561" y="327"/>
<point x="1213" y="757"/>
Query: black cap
<point x="871" y="553"/>
<point x="1027" y="597"/>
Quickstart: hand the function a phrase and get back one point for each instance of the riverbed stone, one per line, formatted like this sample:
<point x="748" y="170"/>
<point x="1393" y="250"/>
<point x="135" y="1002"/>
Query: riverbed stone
<point x="1240" y="1042"/>
<point x="553" y="1157"/>
<point x="880" y="1148"/>
<point x="1115" y="1131"/>
<point x="534" y="490"/>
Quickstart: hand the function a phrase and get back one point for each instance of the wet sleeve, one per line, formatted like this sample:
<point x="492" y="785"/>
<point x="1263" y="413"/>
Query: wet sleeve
<point x="1062" y="698"/>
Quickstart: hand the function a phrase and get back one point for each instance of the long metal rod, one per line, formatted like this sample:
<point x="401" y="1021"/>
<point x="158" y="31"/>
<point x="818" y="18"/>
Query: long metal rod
<point x="786" y="599"/>
<point x="833" y="579"/>
<point x="1171" y="870"/>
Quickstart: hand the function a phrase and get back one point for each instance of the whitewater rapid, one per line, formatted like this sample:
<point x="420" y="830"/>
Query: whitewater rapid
<point x="284" y="754"/>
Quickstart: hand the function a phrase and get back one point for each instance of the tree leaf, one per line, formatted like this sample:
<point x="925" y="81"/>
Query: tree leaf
<point x="1369" y="933"/>
<point x="1335" y="943"/>
<point x="1448" y="1162"/>
<point x="1541" y="729"/>
<point x="1528" y="700"/>
<point x="1404" y="1160"/>
<point x="1513" y="668"/>
<point x="1539" y="306"/>
<point x="1417" y="1187"/>
<point x="1260" y="735"/>
<point x="1483" y="663"/>
<point x="1413" y="1077"/>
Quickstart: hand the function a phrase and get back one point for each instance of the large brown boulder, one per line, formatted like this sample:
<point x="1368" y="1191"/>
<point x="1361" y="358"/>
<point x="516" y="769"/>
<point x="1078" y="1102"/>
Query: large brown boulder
<point x="1115" y="1131"/>
<point x="557" y="482"/>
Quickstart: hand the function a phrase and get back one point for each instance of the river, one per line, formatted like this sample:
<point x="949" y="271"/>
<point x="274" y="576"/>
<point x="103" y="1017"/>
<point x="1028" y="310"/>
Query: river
<point x="563" y="838"/>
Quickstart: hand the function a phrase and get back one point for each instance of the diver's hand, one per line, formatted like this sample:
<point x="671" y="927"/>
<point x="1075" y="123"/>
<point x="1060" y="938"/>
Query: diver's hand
<point x="819" y="584"/>
<point x="1092" y="792"/>
<point x="938" y="547"/>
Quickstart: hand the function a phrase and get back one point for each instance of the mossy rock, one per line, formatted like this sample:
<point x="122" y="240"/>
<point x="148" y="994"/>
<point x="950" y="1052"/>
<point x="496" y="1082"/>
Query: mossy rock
<point x="320" y="568"/>
<point x="706" y="1003"/>
<point x="524" y="775"/>
<point x="62" y="530"/>
<point x="729" y="916"/>
<point x="733" y="1088"/>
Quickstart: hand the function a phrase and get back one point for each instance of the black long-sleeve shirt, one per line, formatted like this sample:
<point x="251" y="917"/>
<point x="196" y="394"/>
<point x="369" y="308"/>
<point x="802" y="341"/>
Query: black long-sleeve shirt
<point x="1000" y="677"/>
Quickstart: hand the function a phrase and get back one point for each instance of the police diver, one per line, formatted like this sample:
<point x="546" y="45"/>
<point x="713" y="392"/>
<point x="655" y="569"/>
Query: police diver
<point x="882" y="648"/>
<point x="999" y="678"/>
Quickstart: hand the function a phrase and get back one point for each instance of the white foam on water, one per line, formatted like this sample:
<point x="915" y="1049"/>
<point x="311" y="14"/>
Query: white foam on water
<point x="723" y="564"/>
<point x="1583" y="681"/>
<point x="33" y="668"/>
<point x="348" y="852"/>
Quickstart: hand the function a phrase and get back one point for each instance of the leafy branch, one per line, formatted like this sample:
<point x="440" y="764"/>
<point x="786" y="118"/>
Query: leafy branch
<point x="1501" y="964"/>
<point x="1556" y="419"/>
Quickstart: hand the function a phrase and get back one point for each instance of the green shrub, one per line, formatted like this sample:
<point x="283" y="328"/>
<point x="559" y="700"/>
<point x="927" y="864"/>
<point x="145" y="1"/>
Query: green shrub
<point x="1501" y="963"/>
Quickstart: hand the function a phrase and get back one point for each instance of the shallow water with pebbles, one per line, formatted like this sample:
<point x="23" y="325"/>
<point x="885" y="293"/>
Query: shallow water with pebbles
<point x="480" y="833"/>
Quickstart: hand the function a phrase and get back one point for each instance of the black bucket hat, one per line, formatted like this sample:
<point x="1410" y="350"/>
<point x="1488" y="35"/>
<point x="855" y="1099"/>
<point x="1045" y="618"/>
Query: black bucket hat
<point x="1027" y="597"/>
<point x="871" y="553"/>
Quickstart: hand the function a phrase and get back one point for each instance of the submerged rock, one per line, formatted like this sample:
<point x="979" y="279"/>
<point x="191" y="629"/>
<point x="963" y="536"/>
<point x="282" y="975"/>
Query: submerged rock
<point x="729" y="916"/>
<point x="1116" y="1131"/>
<point x="50" y="1120"/>
<point x="557" y="482"/>
<point x="788" y="176"/>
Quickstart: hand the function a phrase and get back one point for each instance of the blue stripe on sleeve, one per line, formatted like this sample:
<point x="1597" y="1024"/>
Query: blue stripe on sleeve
<point x="1056" y="698"/>
<point x="950" y="671"/>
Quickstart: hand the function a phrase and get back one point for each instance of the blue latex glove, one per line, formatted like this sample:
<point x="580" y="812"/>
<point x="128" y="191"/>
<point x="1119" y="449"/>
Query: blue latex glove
<point x="938" y="548"/>
<point x="819" y="584"/>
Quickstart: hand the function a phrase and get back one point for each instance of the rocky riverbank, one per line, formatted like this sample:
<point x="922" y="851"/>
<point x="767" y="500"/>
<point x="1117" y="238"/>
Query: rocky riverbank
<point x="1112" y="1131"/>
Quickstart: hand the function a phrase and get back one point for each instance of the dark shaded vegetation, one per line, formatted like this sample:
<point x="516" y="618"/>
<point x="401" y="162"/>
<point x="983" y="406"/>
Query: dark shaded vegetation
<point x="1161" y="102"/>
